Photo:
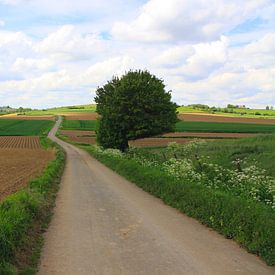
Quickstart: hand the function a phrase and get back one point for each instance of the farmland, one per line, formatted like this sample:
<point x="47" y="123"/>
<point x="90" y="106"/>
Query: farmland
<point x="83" y="125"/>
<point x="85" y="137"/>
<point x="221" y="118"/>
<point x="220" y="127"/>
<point x="12" y="127"/>
<point x="20" y="142"/>
<point x="18" y="166"/>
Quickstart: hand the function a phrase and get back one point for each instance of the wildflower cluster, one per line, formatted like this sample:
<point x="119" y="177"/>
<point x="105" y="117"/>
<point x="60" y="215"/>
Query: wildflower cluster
<point x="180" y="163"/>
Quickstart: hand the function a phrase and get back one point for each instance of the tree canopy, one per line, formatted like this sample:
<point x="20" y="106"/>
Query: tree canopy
<point x="133" y="106"/>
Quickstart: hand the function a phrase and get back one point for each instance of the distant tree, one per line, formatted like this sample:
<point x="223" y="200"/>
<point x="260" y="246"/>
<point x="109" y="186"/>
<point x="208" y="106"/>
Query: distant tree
<point x="271" y="108"/>
<point x="133" y="106"/>
<point x="267" y="107"/>
<point x="20" y="109"/>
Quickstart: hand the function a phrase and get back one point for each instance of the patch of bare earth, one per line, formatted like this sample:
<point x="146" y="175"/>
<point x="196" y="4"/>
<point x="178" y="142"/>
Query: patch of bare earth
<point x="219" y="118"/>
<point x="87" y="137"/>
<point x="208" y="135"/>
<point x="20" y="142"/>
<point x="80" y="116"/>
<point x="19" y="166"/>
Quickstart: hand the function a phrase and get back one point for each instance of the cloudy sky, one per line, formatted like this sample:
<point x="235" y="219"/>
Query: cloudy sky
<point x="55" y="53"/>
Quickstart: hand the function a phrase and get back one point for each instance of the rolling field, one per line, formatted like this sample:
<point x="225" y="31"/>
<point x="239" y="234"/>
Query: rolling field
<point x="61" y="110"/>
<point x="220" y="127"/>
<point x="25" y="117"/>
<point x="12" y="127"/>
<point x="83" y="125"/>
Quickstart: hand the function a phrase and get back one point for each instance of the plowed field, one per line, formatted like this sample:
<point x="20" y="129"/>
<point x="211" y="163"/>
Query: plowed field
<point x="20" y="142"/>
<point x="87" y="137"/>
<point x="220" y="118"/>
<point x="18" y="166"/>
<point x="208" y="135"/>
<point x="80" y="116"/>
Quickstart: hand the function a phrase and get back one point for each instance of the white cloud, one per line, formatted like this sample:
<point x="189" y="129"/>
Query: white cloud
<point x="2" y="23"/>
<point x="190" y="49"/>
<point x="68" y="44"/>
<point x="178" y="20"/>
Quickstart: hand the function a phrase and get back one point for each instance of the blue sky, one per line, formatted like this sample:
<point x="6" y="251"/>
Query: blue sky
<point x="214" y="52"/>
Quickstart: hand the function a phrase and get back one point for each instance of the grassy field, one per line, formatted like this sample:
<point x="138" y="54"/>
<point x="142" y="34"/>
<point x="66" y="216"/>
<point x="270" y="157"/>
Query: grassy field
<point x="84" y="125"/>
<point x="24" y="127"/>
<point x="60" y="110"/>
<point x="220" y="127"/>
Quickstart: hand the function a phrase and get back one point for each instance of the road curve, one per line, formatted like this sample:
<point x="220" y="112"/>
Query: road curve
<point x="103" y="224"/>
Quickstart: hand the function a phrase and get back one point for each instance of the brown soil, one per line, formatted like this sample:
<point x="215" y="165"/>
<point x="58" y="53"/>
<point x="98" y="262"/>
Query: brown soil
<point x="87" y="137"/>
<point x="77" y="133"/>
<point x="219" y="118"/>
<point x="20" y="142"/>
<point x="18" y="166"/>
<point x="148" y="142"/>
<point x="80" y="116"/>
<point x="208" y="135"/>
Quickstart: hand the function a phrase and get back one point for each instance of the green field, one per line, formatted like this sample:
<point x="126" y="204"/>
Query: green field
<point x="59" y="110"/>
<point x="84" y="125"/>
<point x="12" y="127"/>
<point x="220" y="127"/>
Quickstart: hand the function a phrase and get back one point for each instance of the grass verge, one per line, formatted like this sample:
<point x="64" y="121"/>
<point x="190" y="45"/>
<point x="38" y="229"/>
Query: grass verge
<point x="250" y="223"/>
<point x="25" y="215"/>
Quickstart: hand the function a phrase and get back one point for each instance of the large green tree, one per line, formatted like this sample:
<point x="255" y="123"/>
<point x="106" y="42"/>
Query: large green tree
<point x="133" y="106"/>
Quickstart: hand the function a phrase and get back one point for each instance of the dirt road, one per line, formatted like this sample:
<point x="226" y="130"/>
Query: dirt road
<point x="103" y="224"/>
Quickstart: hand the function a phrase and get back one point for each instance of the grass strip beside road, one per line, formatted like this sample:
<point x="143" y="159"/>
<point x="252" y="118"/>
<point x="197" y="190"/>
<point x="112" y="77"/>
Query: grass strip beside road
<point x="223" y="127"/>
<point x="250" y="223"/>
<point x="25" y="215"/>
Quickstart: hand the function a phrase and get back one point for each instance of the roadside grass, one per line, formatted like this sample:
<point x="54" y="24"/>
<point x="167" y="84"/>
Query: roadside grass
<point x="232" y="213"/>
<point x="12" y="127"/>
<point x="221" y="127"/>
<point x="84" y="125"/>
<point x="24" y="216"/>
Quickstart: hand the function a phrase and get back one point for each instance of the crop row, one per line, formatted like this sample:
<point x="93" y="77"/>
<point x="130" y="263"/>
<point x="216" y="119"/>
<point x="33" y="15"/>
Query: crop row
<point x="20" y="142"/>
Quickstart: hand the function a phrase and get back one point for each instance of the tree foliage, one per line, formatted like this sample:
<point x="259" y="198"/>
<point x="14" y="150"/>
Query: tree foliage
<point x="133" y="106"/>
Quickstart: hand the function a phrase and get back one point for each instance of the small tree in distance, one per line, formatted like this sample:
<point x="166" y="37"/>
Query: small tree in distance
<point x="133" y="106"/>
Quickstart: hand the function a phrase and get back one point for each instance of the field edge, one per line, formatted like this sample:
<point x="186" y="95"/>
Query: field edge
<point x="28" y="213"/>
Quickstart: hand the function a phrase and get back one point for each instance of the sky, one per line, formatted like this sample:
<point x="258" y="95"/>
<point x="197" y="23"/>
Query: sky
<point x="215" y="52"/>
